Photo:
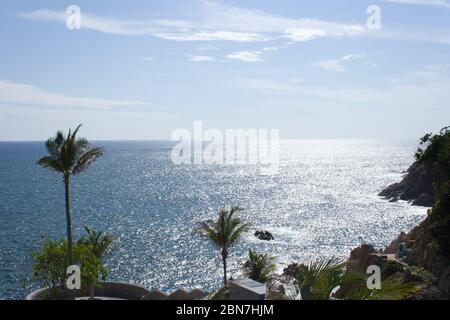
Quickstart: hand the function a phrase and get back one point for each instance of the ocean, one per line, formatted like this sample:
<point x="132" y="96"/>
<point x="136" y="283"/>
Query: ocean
<point x="322" y="203"/>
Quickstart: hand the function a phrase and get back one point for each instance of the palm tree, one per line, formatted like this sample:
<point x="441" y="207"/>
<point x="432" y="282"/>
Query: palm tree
<point x="101" y="245"/>
<point x="259" y="267"/>
<point x="69" y="156"/>
<point x="320" y="279"/>
<point x="224" y="233"/>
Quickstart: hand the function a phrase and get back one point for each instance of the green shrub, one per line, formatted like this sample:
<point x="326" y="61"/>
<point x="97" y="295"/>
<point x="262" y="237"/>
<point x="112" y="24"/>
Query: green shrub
<point x="50" y="264"/>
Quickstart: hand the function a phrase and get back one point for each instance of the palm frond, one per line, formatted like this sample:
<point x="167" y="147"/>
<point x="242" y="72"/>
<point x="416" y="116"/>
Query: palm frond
<point x="393" y="290"/>
<point x="51" y="163"/>
<point x="86" y="159"/>
<point x="224" y="231"/>
<point x="238" y="232"/>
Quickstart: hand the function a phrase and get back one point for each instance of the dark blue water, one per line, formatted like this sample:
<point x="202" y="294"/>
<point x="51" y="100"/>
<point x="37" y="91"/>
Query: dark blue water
<point x="320" y="205"/>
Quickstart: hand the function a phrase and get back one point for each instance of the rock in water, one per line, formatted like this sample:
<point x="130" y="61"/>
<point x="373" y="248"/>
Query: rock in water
<point x="264" y="235"/>
<point x="417" y="186"/>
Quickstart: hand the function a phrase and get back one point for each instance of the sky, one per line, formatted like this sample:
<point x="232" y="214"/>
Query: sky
<point x="139" y="70"/>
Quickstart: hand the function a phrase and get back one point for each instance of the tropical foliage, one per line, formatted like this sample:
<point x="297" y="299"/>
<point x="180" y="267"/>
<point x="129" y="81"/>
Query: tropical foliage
<point x="100" y="243"/>
<point x="321" y="279"/>
<point x="50" y="265"/>
<point x="69" y="155"/>
<point x="435" y="149"/>
<point x="259" y="266"/>
<point x="439" y="219"/>
<point x="224" y="233"/>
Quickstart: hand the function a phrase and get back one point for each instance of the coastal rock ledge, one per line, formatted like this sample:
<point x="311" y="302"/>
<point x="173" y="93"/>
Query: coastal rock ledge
<point x="417" y="186"/>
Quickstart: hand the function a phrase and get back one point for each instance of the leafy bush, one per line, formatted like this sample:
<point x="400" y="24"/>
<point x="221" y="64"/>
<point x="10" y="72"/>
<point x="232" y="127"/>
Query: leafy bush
<point x="50" y="265"/>
<point x="435" y="149"/>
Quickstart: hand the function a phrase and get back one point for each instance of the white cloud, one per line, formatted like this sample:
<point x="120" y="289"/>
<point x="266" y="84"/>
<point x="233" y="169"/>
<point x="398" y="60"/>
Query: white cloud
<point x="17" y="93"/>
<point x="337" y="65"/>
<point x="354" y="56"/>
<point x="213" y="36"/>
<point x="96" y="23"/>
<point x="212" y="22"/>
<point x="433" y="3"/>
<point x="246" y="56"/>
<point x="331" y="65"/>
<point x="147" y="58"/>
<point x="201" y="58"/>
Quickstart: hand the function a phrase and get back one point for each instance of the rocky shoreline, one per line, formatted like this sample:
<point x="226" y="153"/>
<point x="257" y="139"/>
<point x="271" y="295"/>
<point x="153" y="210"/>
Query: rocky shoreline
<point x="417" y="185"/>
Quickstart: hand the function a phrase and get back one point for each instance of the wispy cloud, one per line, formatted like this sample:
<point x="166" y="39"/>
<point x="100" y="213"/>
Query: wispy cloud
<point x="201" y="58"/>
<point x="97" y="23"/>
<point x="147" y="58"/>
<point x="246" y="56"/>
<point x="24" y="94"/>
<point x="432" y="3"/>
<point x="213" y="36"/>
<point x="337" y="65"/>
<point x="213" y="22"/>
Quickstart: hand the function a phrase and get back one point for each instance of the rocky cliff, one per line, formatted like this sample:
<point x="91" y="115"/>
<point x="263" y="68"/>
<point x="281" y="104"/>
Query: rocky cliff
<point x="417" y="186"/>
<point x="424" y="254"/>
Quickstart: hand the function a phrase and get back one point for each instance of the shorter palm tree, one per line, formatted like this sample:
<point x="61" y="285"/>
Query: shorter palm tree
<point x="320" y="279"/>
<point x="100" y="245"/>
<point x="224" y="233"/>
<point x="259" y="266"/>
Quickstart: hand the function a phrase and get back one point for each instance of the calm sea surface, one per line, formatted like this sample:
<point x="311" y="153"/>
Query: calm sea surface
<point x="322" y="203"/>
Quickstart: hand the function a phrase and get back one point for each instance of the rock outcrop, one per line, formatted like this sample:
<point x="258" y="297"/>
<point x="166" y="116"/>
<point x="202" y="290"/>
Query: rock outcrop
<point x="424" y="254"/>
<point x="264" y="235"/>
<point x="417" y="185"/>
<point x="363" y="256"/>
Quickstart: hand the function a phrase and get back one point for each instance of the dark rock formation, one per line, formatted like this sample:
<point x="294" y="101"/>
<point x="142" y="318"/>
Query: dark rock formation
<point x="264" y="235"/>
<point x="361" y="257"/>
<point x="425" y="254"/>
<point x="417" y="185"/>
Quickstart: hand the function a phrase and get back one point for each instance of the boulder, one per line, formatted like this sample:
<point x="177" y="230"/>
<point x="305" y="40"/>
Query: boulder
<point x="264" y="235"/>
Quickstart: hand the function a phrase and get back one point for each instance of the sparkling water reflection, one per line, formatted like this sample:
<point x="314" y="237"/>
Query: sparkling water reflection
<point x="321" y="204"/>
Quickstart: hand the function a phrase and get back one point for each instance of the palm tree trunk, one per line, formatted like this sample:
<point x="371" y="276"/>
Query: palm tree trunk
<point x="68" y="219"/>
<point x="224" y="260"/>
<point x="91" y="292"/>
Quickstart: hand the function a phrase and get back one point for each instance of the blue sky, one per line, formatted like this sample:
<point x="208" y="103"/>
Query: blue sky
<point x="141" y="69"/>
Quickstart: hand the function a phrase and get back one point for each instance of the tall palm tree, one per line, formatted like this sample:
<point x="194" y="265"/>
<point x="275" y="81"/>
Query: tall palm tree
<point x="69" y="156"/>
<point x="224" y="233"/>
